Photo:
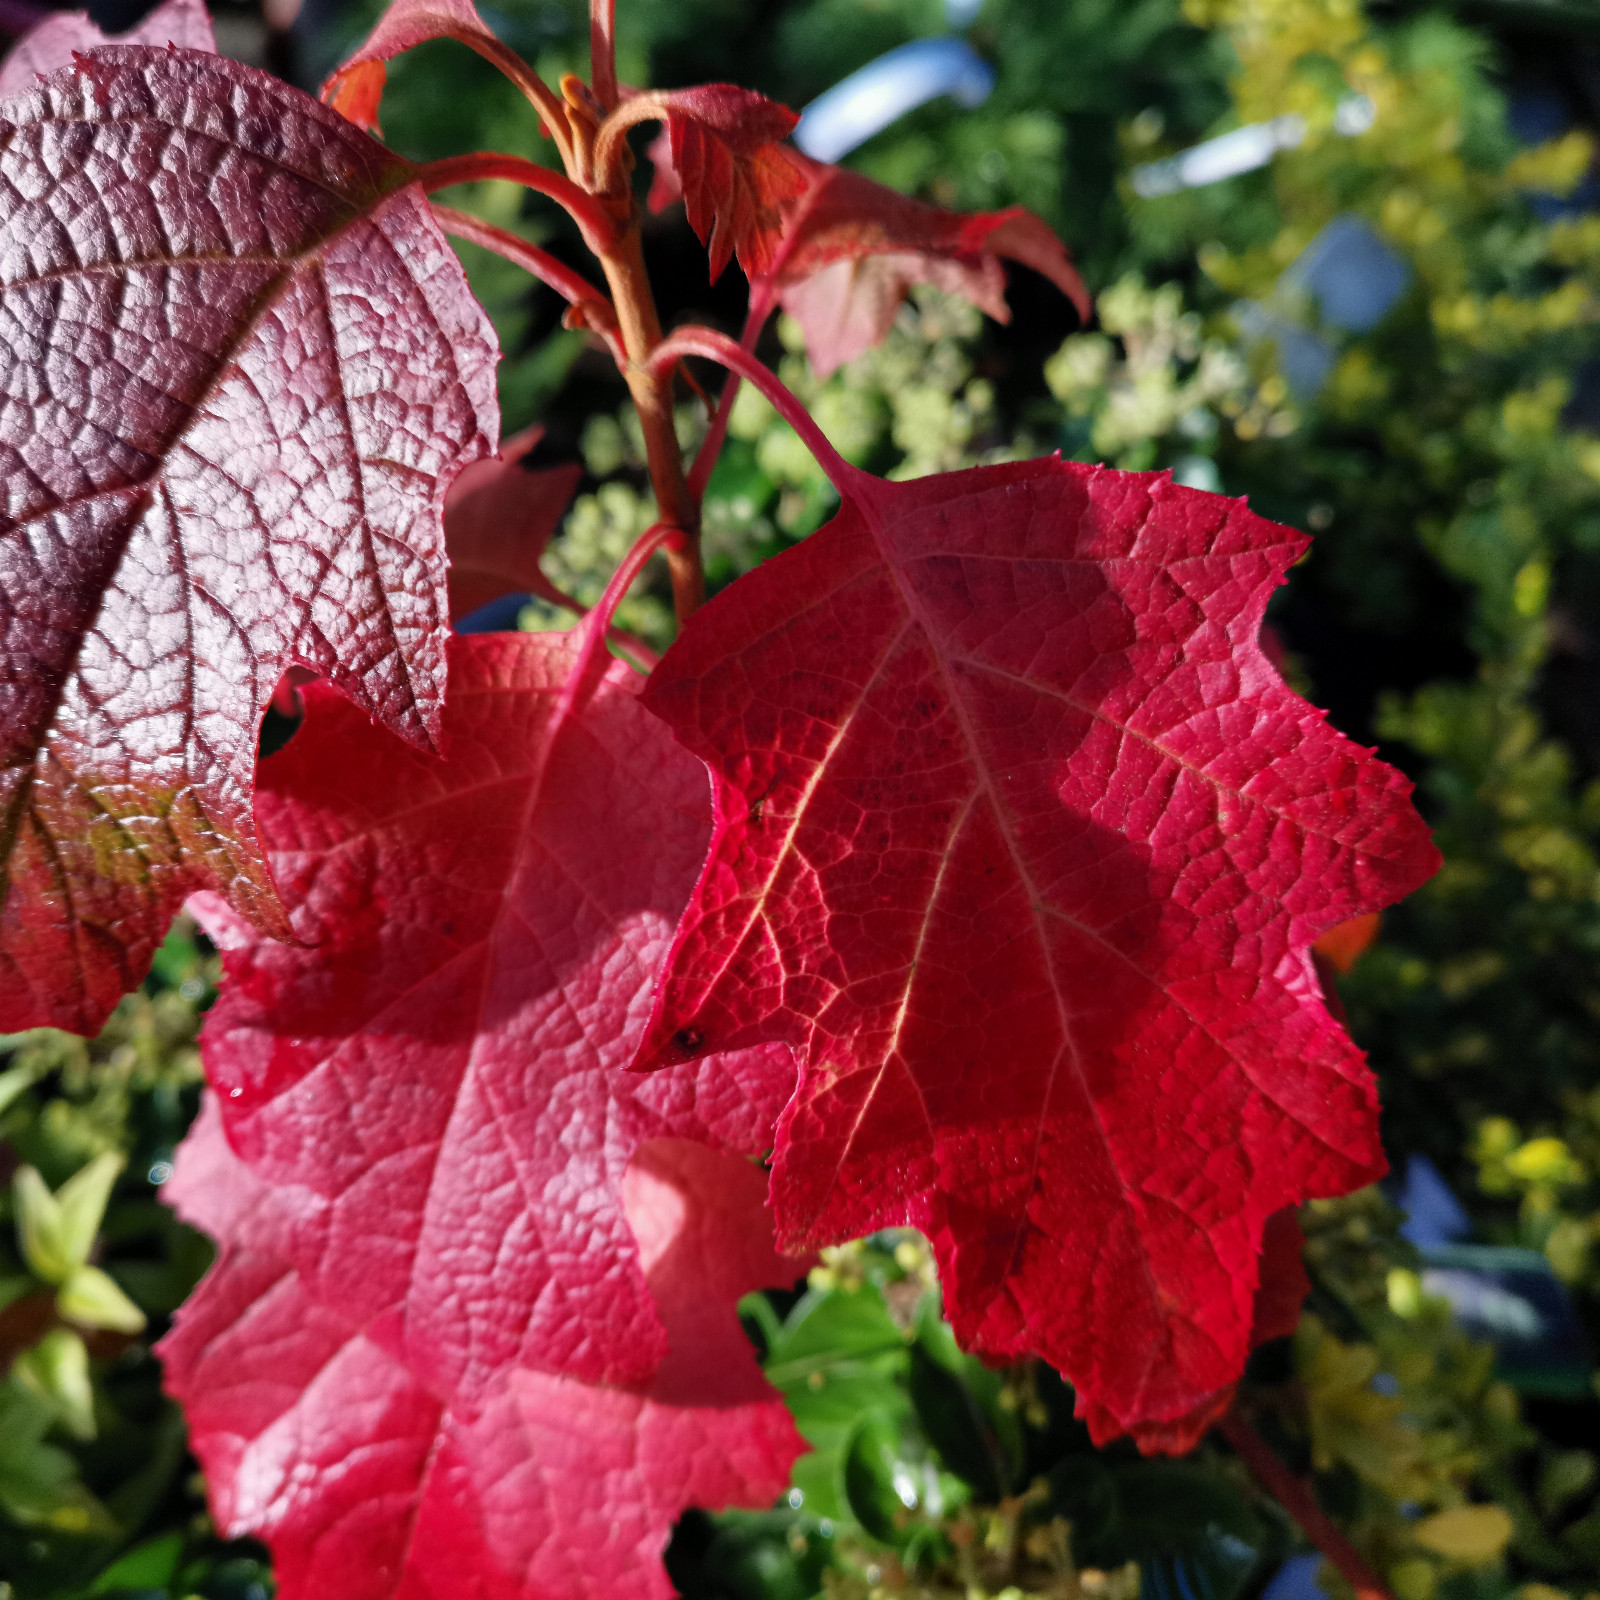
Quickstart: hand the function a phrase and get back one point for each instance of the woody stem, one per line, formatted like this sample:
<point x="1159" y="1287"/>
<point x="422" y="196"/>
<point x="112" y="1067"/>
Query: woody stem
<point x="650" y="384"/>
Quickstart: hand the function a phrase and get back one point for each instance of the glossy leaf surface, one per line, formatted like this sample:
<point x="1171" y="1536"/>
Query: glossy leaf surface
<point x="372" y="1480"/>
<point x="53" y="43"/>
<point x="243" y="366"/>
<point x="435" y="1074"/>
<point x="1021" y="844"/>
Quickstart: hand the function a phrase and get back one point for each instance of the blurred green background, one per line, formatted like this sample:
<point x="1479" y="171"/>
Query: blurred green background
<point x="1388" y="335"/>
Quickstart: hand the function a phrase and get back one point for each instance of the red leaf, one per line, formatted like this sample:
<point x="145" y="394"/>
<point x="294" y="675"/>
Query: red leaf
<point x="371" y="1480"/>
<point x="51" y="44"/>
<point x="1021" y="844"/>
<point x="437" y="1069"/>
<point x="729" y="167"/>
<point x="355" y="90"/>
<point x="498" y="517"/>
<point x="1280" y="1292"/>
<point x="852" y="249"/>
<point x="244" y="366"/>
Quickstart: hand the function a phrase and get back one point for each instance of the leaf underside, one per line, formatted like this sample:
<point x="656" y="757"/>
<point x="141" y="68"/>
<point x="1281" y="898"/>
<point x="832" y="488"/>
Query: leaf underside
<point x="1021" y="843"/>
<point x="242" y="366"/>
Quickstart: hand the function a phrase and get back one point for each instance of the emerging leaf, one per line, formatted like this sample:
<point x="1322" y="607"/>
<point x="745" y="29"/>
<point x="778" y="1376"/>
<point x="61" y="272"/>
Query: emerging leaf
<point x="372" y="1480"/>
<point x="1021" y="843"/>
<point x="434" y="1075"/>
<point x="243" y="366"/>
<point x="724" y="159"/>
<point x="498" y="518"/>
<point x="52" y="44"/>
<point x="852" y="249"/>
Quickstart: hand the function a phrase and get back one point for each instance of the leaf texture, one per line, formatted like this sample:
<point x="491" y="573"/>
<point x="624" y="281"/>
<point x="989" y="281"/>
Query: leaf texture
<point x="732" y="172"/>
<point x="1021" y="843"/>
<point x="242" y="365"/>
<point x="852" y="249"/>
<point x="51" y="44"/>
<point x="434" y="1075"/>
<point x="498" y="517"/>
<point x="372" y="1481"/>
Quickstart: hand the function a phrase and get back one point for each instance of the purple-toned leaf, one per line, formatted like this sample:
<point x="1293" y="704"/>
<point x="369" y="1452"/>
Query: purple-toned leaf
<point x="241" y="365"/>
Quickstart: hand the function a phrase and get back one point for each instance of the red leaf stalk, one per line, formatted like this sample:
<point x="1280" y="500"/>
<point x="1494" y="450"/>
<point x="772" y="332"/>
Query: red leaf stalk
<point x="599" y="232"/>
<point x="1297" y="1499"/>
<point x="763" y="299"/>
<point x="714" y="346"/>
<point x="598" y="312"/>
<point x="593" y="657"/>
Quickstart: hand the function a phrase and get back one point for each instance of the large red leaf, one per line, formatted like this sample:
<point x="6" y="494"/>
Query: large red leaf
<point x="435" y="1075"/>
<point x="371" y="1481"/>
<point x="1021" y="844"/>
<point x="723" y="157"/>
<point x="52" y="44"/>
<point x="241" y="365"/>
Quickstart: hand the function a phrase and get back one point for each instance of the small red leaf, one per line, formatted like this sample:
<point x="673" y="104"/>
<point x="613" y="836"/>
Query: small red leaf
<point x="733" y="174"/>
<point x="51" y="44"/>
<point x="1021" y="843"/>
<point x="372" y="1481"/>
<point x="244" y="365"/>
<point x="852" y="249"/>
<point x="355" y="90"/>
<point x="437" y="1069"/>
<point x="498" y="517"/>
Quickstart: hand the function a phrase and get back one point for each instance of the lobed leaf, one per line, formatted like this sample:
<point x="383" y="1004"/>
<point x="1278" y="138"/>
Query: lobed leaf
<point x="241" y="366"/>
<point x="723" y="157"/>
<point x="372" y="1480"/>
<point x="1021" y="844"/>
<point x="433" y="1075"/>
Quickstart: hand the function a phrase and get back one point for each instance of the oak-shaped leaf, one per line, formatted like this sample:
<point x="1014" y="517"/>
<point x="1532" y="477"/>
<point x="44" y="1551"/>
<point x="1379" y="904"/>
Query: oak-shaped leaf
<point x="498" y="517"/>
<point x="852" y="249"/>
<point x="371" y="1481"/>
<point x="721" y="152"/>
<point x="1021" y="844"/>
<point x="241" y="366"/>
<point x="434" y="1076"/>
<point x="50" y="45"/>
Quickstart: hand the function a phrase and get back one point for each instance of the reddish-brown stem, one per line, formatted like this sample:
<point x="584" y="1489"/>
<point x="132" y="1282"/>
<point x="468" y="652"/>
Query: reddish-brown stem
<point x="714" y="346"/>
<point x="603" y="51"/>
<point x="599" y="315"/>
<point x="763" y="297"/>
<point x="599" y="231"/>
<point x="1297" y="1499"/>
<point x="651" y="387"/>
